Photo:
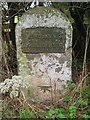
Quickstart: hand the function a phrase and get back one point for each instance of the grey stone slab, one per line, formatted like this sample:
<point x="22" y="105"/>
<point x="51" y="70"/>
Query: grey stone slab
<point x="47" y="70"/>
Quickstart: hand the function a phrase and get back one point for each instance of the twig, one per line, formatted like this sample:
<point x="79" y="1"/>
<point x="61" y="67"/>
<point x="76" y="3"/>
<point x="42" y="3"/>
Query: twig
<point x="5" y="60"/>
<point x="54" y="91"/>
<point x="81" y="81"/>
<point x="84" y="60"/>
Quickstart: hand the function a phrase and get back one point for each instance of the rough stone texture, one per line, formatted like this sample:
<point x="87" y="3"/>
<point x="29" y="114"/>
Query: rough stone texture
<point x="0" y="44"/>
<point x="0" y="60"/>
<point x="47" y="72"/>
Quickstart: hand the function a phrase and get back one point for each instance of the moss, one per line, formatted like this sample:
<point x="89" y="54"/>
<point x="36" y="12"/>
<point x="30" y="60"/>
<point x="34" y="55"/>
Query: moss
<point x="24" y="64"/>
<point x="42" y="11"/>
<point x="31" y="91"/>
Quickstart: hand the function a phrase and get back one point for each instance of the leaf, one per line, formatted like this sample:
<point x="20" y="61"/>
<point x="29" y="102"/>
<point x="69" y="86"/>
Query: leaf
<point x="81" y="102"/>
<point x="61" y="115"/>
<point x="51" y="112"/>
<point x="72" y="108"/>
<point x="86" y="116"/>
<point x="67" y="98"/>
<point x="88" y="110"/>
<point x="61" y="110"/>
<point x="25" y="113"/>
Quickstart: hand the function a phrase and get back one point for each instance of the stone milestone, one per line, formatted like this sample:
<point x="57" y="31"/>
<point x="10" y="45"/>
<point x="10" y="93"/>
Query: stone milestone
<point x="44" y="52"/>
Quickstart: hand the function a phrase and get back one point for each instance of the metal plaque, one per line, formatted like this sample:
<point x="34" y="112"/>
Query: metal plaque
<point x="43" y="40"/>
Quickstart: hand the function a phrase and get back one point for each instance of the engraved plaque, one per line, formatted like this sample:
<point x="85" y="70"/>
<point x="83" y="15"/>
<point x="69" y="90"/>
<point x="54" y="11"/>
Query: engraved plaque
<point x="43" y="40"/>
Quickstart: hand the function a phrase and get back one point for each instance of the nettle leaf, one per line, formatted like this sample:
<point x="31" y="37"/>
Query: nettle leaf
<point x="67" y="98"/>
<point x="51" y="112"/>
<point x="61" y="110"/>
<point x="88" y="110"/>
<point x="88" y="95"/>
<point x="82" y="102"/>
<point x="86" y="116"/>
<point x="70" y="85"/>
<point x="72" y="108"/>
<point x="61" y="115"/>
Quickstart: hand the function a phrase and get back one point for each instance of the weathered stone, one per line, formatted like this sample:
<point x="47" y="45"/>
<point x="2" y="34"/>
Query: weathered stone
<point x="0" y="61"/>
<point x="43" y="40"/>
<point x="48" y="70"/>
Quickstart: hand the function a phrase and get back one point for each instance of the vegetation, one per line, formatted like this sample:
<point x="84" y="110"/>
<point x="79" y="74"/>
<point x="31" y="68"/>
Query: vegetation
<point x="75" y="102"/>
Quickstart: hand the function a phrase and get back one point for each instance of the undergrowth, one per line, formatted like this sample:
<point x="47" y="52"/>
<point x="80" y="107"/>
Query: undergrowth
<point x="74" y="104"/>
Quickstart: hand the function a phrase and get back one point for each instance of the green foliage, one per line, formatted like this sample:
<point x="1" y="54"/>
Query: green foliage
<point x="67" y="98"/>
<point x="61" y="115"/>
<point x="81" y="101"/>
<point x="68" y="109"/>
<point x="51" y="113"/>
<point x="88" y="109"/>
<point x="77" y="63"/>
<point x="86" y="90"/>
<point x="27" y="113"/>
<point x="70" y="85"/>
<point x="8" y="109"/>
<point x="72" y="110"/>
<point x="56" y="113"/>
<point x="86" y="116"/>
<point x="61" y="110"/>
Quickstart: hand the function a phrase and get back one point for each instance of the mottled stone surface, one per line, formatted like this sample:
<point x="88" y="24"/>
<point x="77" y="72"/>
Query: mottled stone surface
<point x="47" y="72"/>
<point x="0" y="41"/>
<point x="0" y="61"/>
